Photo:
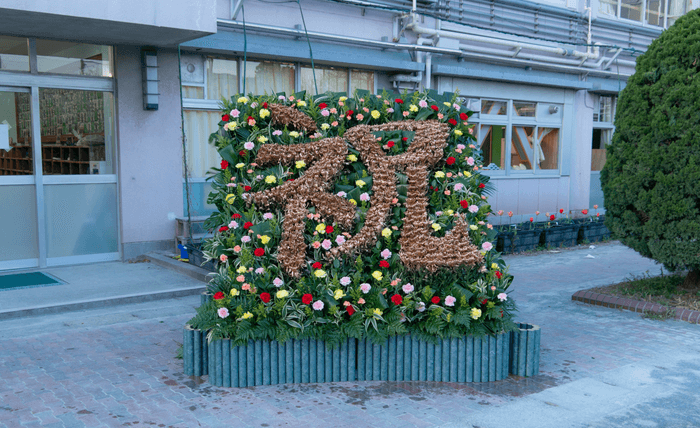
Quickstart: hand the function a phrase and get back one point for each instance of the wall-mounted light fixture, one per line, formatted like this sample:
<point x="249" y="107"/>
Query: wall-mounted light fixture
<point x="149" y="70"/>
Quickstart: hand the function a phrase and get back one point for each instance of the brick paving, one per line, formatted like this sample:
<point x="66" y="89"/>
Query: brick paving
<point x="117" y="367"/>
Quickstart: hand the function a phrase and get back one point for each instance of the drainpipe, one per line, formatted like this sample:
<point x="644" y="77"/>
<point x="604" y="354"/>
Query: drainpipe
<point x="510" y="43"/>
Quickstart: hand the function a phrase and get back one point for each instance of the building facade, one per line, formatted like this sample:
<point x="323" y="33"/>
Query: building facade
<point x="106" y="108"/>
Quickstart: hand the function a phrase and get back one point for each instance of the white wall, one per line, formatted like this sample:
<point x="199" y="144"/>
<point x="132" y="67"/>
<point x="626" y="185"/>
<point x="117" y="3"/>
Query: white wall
<point x="149" y="153"/>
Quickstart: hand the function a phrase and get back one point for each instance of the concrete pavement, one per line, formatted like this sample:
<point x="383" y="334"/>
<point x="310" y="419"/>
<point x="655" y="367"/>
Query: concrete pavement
<point x="116" y="366"/>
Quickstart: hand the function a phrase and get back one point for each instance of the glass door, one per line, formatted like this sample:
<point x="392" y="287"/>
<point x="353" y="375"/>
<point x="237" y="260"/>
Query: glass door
<point x="19" y="240"/>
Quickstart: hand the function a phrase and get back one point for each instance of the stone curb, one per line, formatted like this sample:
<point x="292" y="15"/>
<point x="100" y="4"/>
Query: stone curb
<point x="192" y="271"/>
<point x="608" y="301"/>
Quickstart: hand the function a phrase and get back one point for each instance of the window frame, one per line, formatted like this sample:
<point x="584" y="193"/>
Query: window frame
<point x="643" y="13"/>
<point x="603" y="125"/>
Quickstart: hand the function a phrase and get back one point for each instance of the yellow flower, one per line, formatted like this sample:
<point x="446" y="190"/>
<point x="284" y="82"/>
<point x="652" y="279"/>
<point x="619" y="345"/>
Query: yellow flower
<point x="494" y="266"/>
<point x="240" y="165"/>
<point x="413" y="108"/>
<point x="300" y="164"/>
<point x="375" y="114"/>
<point x="230" y="199"/>
<point x="447" y="104"/>
<point x="386" y="232"/>
<point x="377" y="312"/>
<point x="243" y="100"/>
<point x="439" y="174"/>
<point x="231" y="126"/>
<point x="247" y="315"/>
<point x="475" y="313"/>
<point x="467" y="174"/>
<point x="301" y="103"/>
<point x="264" y="113"/>
<point x="352" y="158"/>
<point x="342" y="99"/>
<point x="270" y="179"/>
<point x="234" y="292"/>
<point x="282" y="294"/>
<point x="320" y="273"/>
<point x="264" y="239"/>
<point x="360" y="184"/>
<point x="294" y="134"/>
<point x="339" y="294"/>
<point x="325" y="126"/>
<point x="449" y="212"/>
<point x="473" y="227"/>
<point x="242" y="269"/>
<point x="377" y="275"/>
<point x="352" y="201"/>
<point x="262" y="139"/>
<point x="458" y="132"/>
<point x="321" y="228"/>
<point x="436" y="227"/>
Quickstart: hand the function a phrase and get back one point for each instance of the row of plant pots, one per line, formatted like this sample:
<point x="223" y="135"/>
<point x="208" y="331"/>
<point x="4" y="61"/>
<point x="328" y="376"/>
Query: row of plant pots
<point x="529" y="236"/>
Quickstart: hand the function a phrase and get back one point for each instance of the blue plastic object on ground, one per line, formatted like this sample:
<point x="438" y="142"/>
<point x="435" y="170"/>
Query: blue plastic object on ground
<point x="183" y="251"/>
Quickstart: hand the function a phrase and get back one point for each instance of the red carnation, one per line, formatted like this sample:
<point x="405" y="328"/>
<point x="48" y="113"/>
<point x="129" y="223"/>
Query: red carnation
<point x="350" y="310"/>
<point x="224" y="164"/>
<point x="463" y="116"/>
<point x="481" y="185"/>
<point x="265" y="297"/>
<point x="464" y="204"/>
<point x="247" y="225"/>
<point x="499" y="275"/>
<point x="435" y="300"/>
<point x="322" y="106"/>
<point x="451" y="160"/>
<point x="225" y="118"/>
<point x="396" y="299"/>
<point x="452" y="122"/>
<point x="485" y="301"/>
<point x="247" y="188"/>
<point x="259" y="252"/>
<point x="218" y="295"/>
<point x="584" y="212"/>
<point x="531" y="219"/>
<point x="383" y="263"/>
<point x="236" y="216"/>
<point x="349" y="113"/>
<point x="329" y="229"/>
<point x="291" y="179"/>
<point x="399" y="101"/>
<point x="223" y="228"/>
<point x="390" y="144"/>
<point x="307" y="298"/>
<point x="434" y="107"/>
<point x="316" y="265"/>
<point x="242" y="153"/>
<point x="552" y="217"/>
<point x="436" y="189"/>
<point x="561" y="210"/>
<point x="264" y="105"/>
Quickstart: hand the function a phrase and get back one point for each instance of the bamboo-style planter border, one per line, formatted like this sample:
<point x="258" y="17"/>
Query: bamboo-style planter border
<point x="401" y="358"/>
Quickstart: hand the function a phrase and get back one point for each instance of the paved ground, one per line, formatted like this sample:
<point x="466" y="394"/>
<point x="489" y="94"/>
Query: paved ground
<point x="116" y="366"/>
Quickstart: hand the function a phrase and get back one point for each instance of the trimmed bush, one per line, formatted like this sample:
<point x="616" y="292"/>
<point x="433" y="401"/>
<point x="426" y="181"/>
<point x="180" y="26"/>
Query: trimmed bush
<point x="651" y="180"/>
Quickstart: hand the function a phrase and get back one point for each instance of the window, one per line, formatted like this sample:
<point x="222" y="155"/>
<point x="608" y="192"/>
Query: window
<point x="206" y="80"/>
<point x="517" y="137"/>
<point x="73" y="58"/>
<point x="14" y="54"/>
<point x="659" y="13"/>
<point x="603" y="129"/>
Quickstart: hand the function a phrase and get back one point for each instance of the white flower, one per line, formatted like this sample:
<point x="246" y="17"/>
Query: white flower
<point x="502" y="297"/>
<point x="407" y="287"/>
<point x="365" y="287"/>
<point x="473" y="209"/>
<point x="233" y="225"/>
<point x="340" y="239"/>
<point x="423" y="103"/>
<point x="420" y="307"/>
<point x="277" y="282"/>
<point x="249" y="145"/>
<point x="342" y="194"/>
<point x="345" y="280"/>
<point x="260" y="271"/>
<point x="268" y="216"/>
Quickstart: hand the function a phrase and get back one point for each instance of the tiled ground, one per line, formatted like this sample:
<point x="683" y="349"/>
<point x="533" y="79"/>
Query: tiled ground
<point x="116" y="367"/>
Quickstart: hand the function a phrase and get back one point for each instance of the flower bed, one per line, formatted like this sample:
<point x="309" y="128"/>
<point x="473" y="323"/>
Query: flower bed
<point x="351" y="218"/>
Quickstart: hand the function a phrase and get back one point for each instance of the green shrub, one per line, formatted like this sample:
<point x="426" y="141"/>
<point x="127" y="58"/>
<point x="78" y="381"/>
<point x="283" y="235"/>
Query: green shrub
<point x="651" y="180"/>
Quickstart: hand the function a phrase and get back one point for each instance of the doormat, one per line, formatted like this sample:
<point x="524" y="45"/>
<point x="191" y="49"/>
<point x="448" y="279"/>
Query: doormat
<point x="26" y="280"/>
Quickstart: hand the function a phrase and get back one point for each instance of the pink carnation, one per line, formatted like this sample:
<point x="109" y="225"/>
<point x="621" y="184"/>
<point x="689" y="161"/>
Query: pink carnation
<point x="487" y="246"/>
<point x="407" y="287"/>
<point x="450" y="301"/>
<point x="365" y="287"/>
<point x="473" y="209"/>
<point x="277" y="282"/>
<point x="385" y="254"/>
<point x="326" y="244"/>
<point x="223" y="312"/>
<point x="340" y="240"/>
<point x="318" y="305"/>
<point x="502" y="297"/>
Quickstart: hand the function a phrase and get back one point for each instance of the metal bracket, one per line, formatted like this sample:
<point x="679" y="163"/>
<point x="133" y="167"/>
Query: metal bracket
<point x="235" y="8"/>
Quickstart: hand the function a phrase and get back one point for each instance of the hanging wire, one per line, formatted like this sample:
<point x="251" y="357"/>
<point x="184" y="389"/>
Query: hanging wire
<point x="184" y="152"/>
<point x="245" y="48"/>
<point x="311" y="54"/>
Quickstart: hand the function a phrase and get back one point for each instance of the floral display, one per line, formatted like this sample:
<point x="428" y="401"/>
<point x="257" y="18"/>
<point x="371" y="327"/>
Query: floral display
<point x="361" y="216"/>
